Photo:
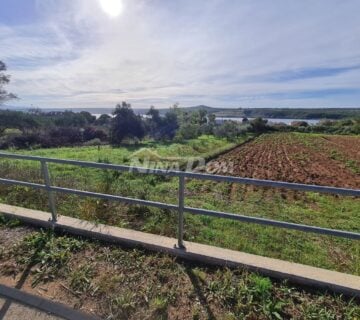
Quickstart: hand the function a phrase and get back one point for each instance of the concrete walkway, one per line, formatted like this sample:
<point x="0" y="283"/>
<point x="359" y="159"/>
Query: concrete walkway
<point x="19" y="305"/>
<point x="294" y="272"/>
<point x="10" y="310"/>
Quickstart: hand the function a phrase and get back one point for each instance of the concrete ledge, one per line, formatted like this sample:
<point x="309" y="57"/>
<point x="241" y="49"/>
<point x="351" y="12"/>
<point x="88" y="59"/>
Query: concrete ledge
<point x="296" y="273"/>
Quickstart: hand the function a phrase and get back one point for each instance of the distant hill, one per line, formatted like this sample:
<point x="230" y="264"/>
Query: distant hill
<point x="291" y="113"/>
<point x="278" y="113"/>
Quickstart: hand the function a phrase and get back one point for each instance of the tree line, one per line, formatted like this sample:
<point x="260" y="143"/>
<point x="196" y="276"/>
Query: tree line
<point x="35" y="128"/>
<point x="284" y="113"/>
<point x="38" y="129"/>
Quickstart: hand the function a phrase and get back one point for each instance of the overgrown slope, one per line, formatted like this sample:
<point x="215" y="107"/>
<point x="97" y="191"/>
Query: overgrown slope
<point x="117" y="283"/>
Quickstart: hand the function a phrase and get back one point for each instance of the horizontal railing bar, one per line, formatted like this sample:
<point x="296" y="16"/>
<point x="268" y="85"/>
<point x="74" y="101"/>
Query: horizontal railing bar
<point x="90" y="194"/>
<point x="192" y="175"/>
<point x="276" y="184"/>
<point x="274" y="223"/>
<point x="218" y="214"/>
<point x="23" y="183"/>
<point x="96" y="165"/>
<point x="115" y="198"/>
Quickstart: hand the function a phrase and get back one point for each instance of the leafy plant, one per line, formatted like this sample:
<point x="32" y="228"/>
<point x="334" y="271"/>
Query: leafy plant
<point x="81" y="279"/>
<point x="50" y="254"/>
<point x="260" y="286"/>
<point x="10" y="223"/>
<point x="121" y="306"/>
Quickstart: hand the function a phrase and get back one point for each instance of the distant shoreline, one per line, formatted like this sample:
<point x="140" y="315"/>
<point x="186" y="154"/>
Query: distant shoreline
<point x="287" y="121"/>
<point x="285" y="114"/>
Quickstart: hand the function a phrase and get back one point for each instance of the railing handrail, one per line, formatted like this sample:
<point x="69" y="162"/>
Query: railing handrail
<point x="181" y="207"/>
<point x="192" y="175"/>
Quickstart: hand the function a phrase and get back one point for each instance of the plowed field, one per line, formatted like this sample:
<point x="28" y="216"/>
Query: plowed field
<point x="293" y="157"/>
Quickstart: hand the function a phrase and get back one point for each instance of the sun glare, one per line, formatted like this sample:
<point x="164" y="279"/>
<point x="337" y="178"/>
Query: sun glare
<point x="112" y="7"/>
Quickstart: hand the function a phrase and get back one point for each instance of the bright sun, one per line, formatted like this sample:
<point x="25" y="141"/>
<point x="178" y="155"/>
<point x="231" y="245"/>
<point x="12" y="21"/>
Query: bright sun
<point x="112" y="7"/>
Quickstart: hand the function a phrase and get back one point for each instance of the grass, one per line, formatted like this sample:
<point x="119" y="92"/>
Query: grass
<point x="312" y="209"/>
<point x="202" y="146"/>
<point x="81" y="280"/>
<point x="307" y="208"/>
<point x="116" y="283"/>
<point x="50" y="254"/>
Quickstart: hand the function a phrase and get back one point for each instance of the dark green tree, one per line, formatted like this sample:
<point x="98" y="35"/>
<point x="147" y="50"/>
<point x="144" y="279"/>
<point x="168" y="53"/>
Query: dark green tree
<point x="259" y="125"/>
<point x="154" y="123"/>
<point x="162" y="128"/>
<point x="229" y="130"/>
<point x="88" y="116"/>
<point x="154" y="114"/>
<point x="103" y="120"/>
<point x="170" y="124"/>
<point x="126" y="124"/>
<point x="4" y="80"/>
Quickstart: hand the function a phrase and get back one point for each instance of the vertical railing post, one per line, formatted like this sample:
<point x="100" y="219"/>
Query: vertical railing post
<point x="46" y="175"/>
<point x="181" y="212"/>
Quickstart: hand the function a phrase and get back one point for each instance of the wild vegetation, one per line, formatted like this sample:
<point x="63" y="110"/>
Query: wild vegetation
<point x="343" y="127"/>
<point x="37" y="129"/>
<point x="116" y="283"/>
<point x="307" y="208"/>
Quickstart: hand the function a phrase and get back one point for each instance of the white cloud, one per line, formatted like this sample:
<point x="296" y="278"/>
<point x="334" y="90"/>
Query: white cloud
<point x="192" y="52"/>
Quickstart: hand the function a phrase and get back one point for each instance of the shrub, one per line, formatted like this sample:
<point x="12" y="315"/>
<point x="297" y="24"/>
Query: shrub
<point x="299" y="124"/>
<point x="93" y="142"/>
<point x="103" y="120"/>
<point x="62" y="136"/>
<point x="229" y="130"/>
<point x="91" y="133"/>
<point x="259" y="125"/>
<point x="187" y="131"/>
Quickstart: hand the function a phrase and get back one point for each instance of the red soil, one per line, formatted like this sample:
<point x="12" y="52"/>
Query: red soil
<point x="296" y="158"/>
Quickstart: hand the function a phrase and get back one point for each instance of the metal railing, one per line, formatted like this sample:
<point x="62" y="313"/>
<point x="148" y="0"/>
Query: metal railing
<point x="181" y="208"/>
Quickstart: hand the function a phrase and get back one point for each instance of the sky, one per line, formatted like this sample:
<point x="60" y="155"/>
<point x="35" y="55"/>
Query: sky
<point x="221" y="53"/>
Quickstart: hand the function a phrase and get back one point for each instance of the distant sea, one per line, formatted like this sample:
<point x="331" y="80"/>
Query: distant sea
<point x="97" y="114"/>
<point x="272" y="120"/>
<point x="238" y="119"/>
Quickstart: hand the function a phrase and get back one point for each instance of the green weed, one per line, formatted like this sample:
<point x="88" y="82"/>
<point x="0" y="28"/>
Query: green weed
<point x="306" y="208"/>
<point x="50" y="254"/>
<point x="9" y="222"/>
<point x="122" y="305"/>
<point x="81" y="279"/>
